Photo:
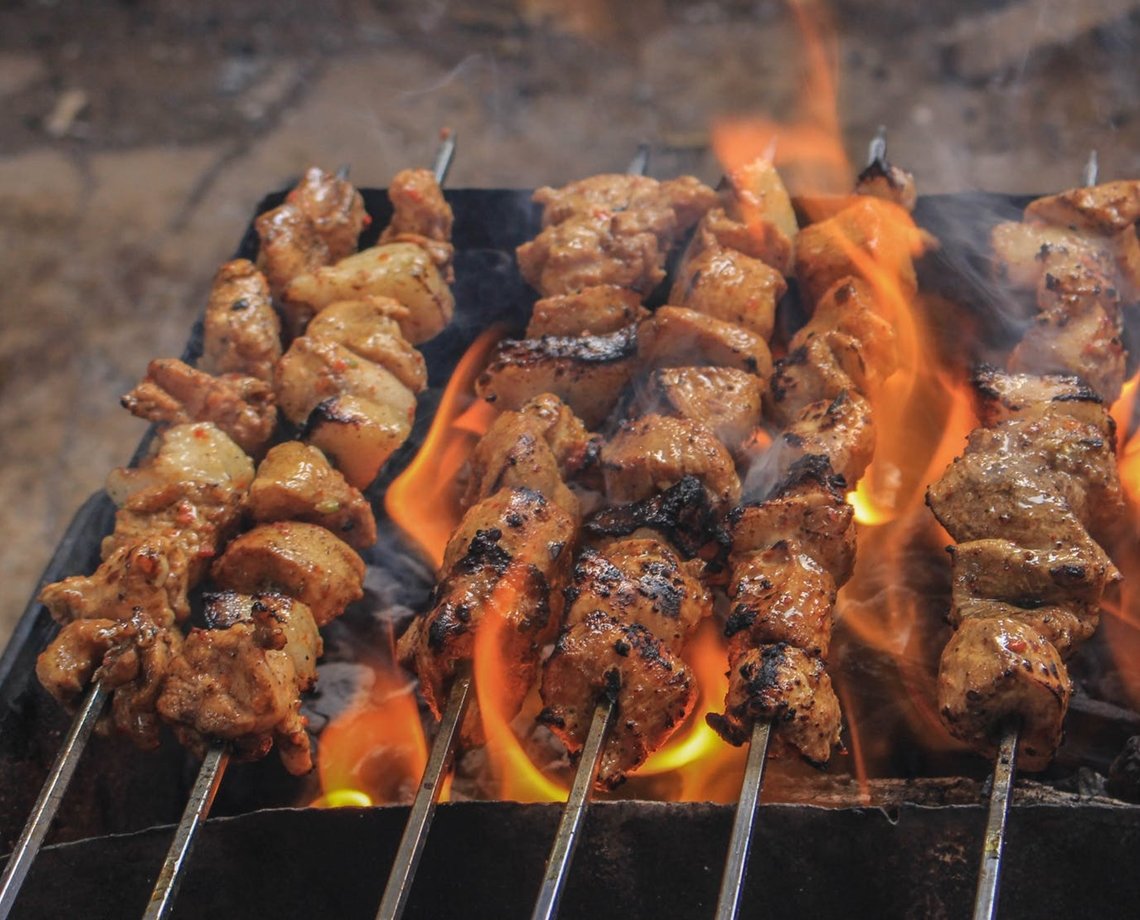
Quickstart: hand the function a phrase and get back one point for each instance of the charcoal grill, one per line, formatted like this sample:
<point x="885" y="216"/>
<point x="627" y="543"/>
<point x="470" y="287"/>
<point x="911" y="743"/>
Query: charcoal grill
<point x="912" y="855"/>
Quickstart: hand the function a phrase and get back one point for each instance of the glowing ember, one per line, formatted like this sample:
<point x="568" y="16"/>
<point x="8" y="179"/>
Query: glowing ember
<point x="375" y="751"/>
<point x="422" y="500"/>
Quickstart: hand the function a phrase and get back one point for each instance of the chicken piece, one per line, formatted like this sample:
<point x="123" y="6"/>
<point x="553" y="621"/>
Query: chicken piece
<point x="654" y="452"/>
<point x="882" y="180"/>
<point x="318" y="224"/>
<point x="842" y="430"/>
<point x="136" y="669"/>
<point x="780" y="594"/>
<point x="787" y="687"/>
<point x="1087" y="344"/>
<point x="66" y="667"/>
<point x="402" y="271"/>
<point x="758" y="217"/>
<point x="1063" y="626"/>
<point x="150" y="577"/>
<point x="731" y="286"/>
<point x="357" y="435"/>
<point x="683" y="514"/>
<point x="680" y="337"/>
<point x="240" y="680"/>
<point x="596" y="310"/>
<point x="174" y="393"/>
<point x="587" y="250"/>
<point x="724" y="399"/>
<point x="1003" y="396"/>
<point x="198" y="517"/>
<point x="241" y="332"/>
<point x="852" y="308"/>
<point x="588" y="373"/>
<point x="296" y="483"/>
<point x="653" y="690"/>
<point x="761" y="239"/>
<point x="1104" y="209"/>
<point x="370" y="328"/>
<point x="313" y="370"/>
<point x="303" y="561"/>
<point x="503" y="569"/>
<point x="514" y="453"/>
<point x="640" y="581"/>
<point x="185" y="453"/>
<point x="816" y="372"/>
<point x="563" y="431"/>
<point x="869" y="231"/>
<point x="1024" y="251"/>
<point x="690" y="200"/>
<point x="418" y="207"/>
<point x="808" y="509"/>
<point x="993" y="670"/>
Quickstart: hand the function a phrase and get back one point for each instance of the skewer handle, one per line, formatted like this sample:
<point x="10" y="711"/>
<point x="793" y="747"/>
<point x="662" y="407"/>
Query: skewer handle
<point x="423" y="808"/>
<point x="39" y="821"/>
<point x="444" y="156"/>
<point x="740" y="843"/>
<point x="201" y="798"/>
<point x="989" y="875"/>
<point x="573" y="813"/>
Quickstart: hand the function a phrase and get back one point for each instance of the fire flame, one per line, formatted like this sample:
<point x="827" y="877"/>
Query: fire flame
<point x="422" y="500"/>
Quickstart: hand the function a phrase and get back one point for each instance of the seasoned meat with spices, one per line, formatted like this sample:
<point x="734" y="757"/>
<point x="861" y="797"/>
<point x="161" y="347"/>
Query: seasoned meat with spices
<point x="503" y="570"/>
<point x="370" y="329"/>
<point x="418" y="207"/>
<point x="841" y="429"/>
<point x="680" y="337"/>
<point x="588" y="373"/>
<point x="303" y="561"/>
<point x="1104" y="209"/>
<point x="724" y="399"/>
<point x="357" y="435"/>
<point x="174" y="393"/>
<point x="241" y="333"/>
<point x="240" y="680"/>
<point x="997" y="669"/>
<point x="654" y="691"/>
<point x="787" y="687"/>
<point x="655" y="451"/>
<point x="296" y="483"/>
<point x="640" y="581"/>
<point x="728" y="285"/>
<point x="1003" y="396"/>
<point x="597" y="310"/>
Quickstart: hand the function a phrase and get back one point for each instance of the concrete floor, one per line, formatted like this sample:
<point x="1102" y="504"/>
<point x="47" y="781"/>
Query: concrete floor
<point x="136" y="137"/>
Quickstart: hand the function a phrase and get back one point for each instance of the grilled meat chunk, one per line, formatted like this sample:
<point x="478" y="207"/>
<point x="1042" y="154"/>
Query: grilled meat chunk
<point x="198" y="517"/>
<point x="882" y="180"/>
<point x="240" y="680"/>
<point x="503" y="570"/>
<point x="780" y="594"/>
<point x="418" y="207"/>
<point x="588" y="373"/>
<point x="1105" y="209"/>
<point x="842" y="430"/>
<point x="296" y="483"/>
<point x="869" y="231"/>
<point x="151" y="577"/>
<point x="654" y="452"/>
<point x="357" y="435"/>
<point x="756" y="218"/>
<point x="654" y="691"/>
<point x="640" y="581"/>
<point x="303" y="561"/>
<point x="596" y="310"/>
<point x="174" y="393"/>
<point x="241" y="331"/>
<point x="724" y="399"/>
<point x="1003" y="396"/>
<point x="791" y="689"/>
<point x="683" y="514"/>
<point x="403" y="271"/>
<point x="729" y="285"/>
<point x="994" y="669"/>
<point x="185" y="453"/>
<point x="370" y="328"/>
<point x="312" y="371"/>
<point x="680" y="337"/>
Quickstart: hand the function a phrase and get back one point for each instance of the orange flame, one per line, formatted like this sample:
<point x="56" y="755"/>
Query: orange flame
<point x="375" y="751"/>
<point x="423" y="500"/>
<point x="519" y="780"/>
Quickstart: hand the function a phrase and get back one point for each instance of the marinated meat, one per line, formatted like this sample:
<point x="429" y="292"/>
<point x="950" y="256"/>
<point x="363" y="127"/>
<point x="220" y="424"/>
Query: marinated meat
<point x="726" y="400"/>
<point x="241" y="333"/>
<point x="842" y="430"/>
<point x="370" y="329"/>
<point x="680" y="337"/>
<point x="596" y="310"/>
<point x="728" y="285"/>
<point x="418" y="207"/>
<point x="357" y="435"/>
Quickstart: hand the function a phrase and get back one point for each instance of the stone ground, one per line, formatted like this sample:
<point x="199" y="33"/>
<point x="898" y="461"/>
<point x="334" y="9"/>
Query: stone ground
<point x="136" y="138"/>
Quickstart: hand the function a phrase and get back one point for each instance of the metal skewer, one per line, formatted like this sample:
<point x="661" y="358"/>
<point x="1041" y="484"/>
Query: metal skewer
<point x="740" y="842"/>
<point x="570" y="824"/>
<point x="423" y="808"/>
<point x="197" y="808"/>
<point x="54" y="787"/>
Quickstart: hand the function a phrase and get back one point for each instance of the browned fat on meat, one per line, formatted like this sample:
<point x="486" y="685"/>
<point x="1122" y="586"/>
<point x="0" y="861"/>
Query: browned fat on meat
<point x="304" y="561"/>
<point x="588" y="373"/>
<point x="680" y="337"/>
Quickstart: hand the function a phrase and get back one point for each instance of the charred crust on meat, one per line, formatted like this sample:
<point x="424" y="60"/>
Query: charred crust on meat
<point x="741" y="618"/>
<point x="549" y="717"/>
<point x="484" y="550"/>
<point x="683" y="513"/>
<point x="587" y="349"/>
